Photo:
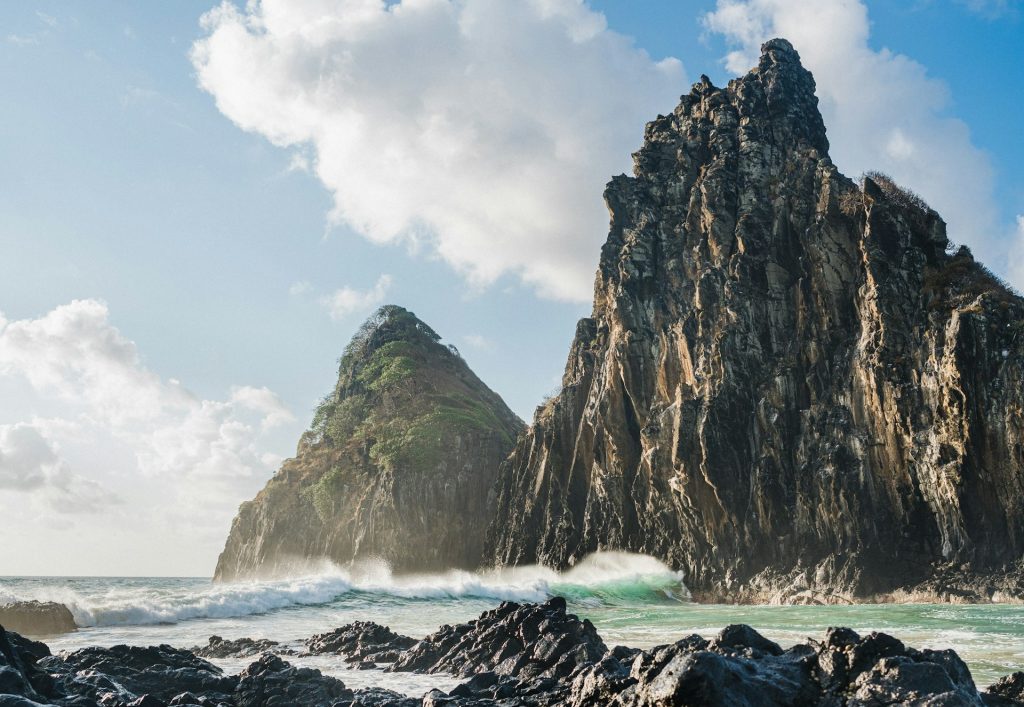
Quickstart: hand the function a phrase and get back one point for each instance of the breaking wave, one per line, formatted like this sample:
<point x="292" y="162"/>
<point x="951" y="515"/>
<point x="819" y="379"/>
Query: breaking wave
<point x="607" y="577"/>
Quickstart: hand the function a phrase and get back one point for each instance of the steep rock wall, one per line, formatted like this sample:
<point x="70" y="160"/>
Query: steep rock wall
<point x="399" y="464"/>
<point x="788" y="388"/>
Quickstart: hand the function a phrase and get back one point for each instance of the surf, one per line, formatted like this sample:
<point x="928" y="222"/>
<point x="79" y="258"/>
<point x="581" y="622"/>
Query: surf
<point x="601" y="578"/>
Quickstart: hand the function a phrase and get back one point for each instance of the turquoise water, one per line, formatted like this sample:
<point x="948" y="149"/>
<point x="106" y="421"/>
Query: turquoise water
<point x="632" y="600"/>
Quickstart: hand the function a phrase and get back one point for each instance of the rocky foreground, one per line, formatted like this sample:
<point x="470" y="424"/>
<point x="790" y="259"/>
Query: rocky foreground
<point x="515" y="655"/>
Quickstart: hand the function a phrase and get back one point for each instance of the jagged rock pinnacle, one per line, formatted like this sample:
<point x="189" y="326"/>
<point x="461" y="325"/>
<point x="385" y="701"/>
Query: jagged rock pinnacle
<point x="787" y="389"/>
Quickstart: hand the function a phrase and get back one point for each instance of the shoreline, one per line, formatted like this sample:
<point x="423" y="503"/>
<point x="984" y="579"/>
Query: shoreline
<point x="538" y="654"/>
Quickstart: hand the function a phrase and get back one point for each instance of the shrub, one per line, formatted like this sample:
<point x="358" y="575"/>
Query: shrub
<point x="903" y="196"/>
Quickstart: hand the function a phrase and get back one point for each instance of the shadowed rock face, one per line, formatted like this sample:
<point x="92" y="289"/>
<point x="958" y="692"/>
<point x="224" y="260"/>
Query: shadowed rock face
<point x="399" y="463"/>
<point x="788" y="388"/>
<point x="515" y="656"/>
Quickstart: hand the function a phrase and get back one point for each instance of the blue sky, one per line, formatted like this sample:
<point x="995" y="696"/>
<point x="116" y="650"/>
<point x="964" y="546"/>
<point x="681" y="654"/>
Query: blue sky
<point x="141" y="178"/>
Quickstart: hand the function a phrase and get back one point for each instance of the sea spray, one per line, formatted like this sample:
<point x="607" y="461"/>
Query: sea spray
<point x="600" y="578"/>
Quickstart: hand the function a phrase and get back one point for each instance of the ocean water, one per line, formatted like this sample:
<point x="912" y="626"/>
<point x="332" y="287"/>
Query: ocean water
<point x="632" y="600"/>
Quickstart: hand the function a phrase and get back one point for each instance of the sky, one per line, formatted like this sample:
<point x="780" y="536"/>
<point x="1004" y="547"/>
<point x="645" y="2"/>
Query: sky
<point x="200" y="203"/>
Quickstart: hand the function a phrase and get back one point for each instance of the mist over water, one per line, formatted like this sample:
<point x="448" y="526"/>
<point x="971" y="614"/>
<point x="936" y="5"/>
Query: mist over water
<point x="632" y="599"/>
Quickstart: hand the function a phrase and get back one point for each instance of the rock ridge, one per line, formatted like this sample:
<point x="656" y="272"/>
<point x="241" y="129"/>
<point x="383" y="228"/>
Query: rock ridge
<point x="791" y="388"/>
<point x="533" y="655"/>
<point x="399" y="464"/>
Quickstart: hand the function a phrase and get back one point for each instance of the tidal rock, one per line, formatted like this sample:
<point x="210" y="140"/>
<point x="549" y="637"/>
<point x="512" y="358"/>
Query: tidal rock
<point x="522" y="641"/>
<point x="1008" y="691"/>
<point x="379" y="697"/>
<point x="272" y="681"/>
<point x="791" y="388"/>
<point x="37" y="618"/>
<point x="361" y="642"/>
<point x="20" y="676"/>
<point x="122" y="674"/>
<point x="739" y="667"/>
<point x="240" y="648"/>
<point x="399" y="463"/>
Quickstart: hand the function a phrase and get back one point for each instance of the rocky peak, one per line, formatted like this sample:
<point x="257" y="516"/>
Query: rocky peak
<point x="788" y="389"/>
<point x="398" y="463"/>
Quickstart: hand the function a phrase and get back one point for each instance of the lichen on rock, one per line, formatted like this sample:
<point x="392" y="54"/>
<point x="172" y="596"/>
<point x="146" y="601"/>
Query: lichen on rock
<point x="399" y="463"/>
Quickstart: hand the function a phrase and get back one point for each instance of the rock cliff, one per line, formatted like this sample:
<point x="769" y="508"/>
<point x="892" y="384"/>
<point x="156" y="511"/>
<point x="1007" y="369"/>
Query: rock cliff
<point x="792" y="386"/>
<point x="399" y="463"/>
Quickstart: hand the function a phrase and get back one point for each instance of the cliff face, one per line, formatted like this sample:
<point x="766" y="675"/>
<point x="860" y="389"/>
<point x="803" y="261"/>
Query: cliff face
<point x="788" y="388"/>
<point x="399" y="463"/>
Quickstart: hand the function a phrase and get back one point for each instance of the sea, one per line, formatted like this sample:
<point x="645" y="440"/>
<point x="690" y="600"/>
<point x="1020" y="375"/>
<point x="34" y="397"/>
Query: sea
<point x="633" y="600"/>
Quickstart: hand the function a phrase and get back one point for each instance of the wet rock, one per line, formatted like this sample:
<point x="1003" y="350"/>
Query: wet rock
<point x="1006" y="692"/>
<point x="37" y="618"/>
<point x="739" y="667"/>
<point x="535" y="640"/>
<point x="272" y="681"/>
<point x="379" y="697"/>
<point x="361" y="642"/>
<point x="788" y="388"/>
<point x="20" y="674"/>
<point x="742" y="637"/>
<point x="121" y="674"/>
<point x="906" y="680"/>
<point x="240" y="648"/>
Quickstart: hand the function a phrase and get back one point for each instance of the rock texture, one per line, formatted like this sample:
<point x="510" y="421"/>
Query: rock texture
<point x="399" y="464"/>
<point x="517" y="656"/>
<point x="37" y="618"/>
<point x="512" y="640"/>
<point x="218" y="647"/>
<point x="791" y="388"/>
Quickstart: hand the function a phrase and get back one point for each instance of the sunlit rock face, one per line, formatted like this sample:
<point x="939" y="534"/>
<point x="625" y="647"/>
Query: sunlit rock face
<point x="399" y="464"/>
<point x="790" y="387"/>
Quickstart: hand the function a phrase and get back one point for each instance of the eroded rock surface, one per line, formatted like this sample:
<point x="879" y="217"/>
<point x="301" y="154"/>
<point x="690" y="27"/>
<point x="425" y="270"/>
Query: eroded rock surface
<point x="514" y="640"/>
<point x="517" y="656"/>
<point x="218" y="647"/>
<point x="399" y="463"/>
<point x="361" y="642"/>
<point x="37" y="618"/>
<point x="791" y="388"/>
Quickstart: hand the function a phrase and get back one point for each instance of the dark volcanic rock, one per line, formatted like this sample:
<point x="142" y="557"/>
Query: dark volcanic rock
<point x="1006" y="691"/>
<point x="518" y="656"/>
<point x="122" y="674"/>
<point x="788" y="388"/>
<point x="272" y="681"/>
<point x="399" y="463"/>
<point x="37" y="618"/>
<point x="361" y="642"/>
<point x="513" y="640"/>
<point x="240" y="648"/>
<point x="19" y="674"/>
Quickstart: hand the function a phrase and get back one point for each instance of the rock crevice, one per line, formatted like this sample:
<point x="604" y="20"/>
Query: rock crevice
<point x="791" y="386"/>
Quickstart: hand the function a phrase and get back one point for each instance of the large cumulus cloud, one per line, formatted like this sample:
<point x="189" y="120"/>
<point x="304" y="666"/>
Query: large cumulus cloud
<point x="484" y="128"/>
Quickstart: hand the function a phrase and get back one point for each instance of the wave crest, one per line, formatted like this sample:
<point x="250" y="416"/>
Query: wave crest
<point x="607" y="577"/>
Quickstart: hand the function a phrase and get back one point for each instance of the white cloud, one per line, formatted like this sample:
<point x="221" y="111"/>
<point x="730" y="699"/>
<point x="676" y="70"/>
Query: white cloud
<point x="883" y="111"/>
<point x="29" y="462"/>
<point x="347" y="300"/>
<point x="477" y="341"/>
<point x="1017" y="255"/>
<point x="119" y="425"/>
<point x="487" y="128"/>
<point x="300" y="288"/>
<point x="23" y="40"/>
<point x="991" y="9"/>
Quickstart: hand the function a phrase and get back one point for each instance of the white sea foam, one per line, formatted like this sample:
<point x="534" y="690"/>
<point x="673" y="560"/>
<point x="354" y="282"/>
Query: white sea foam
<point x="596" y="578"/>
